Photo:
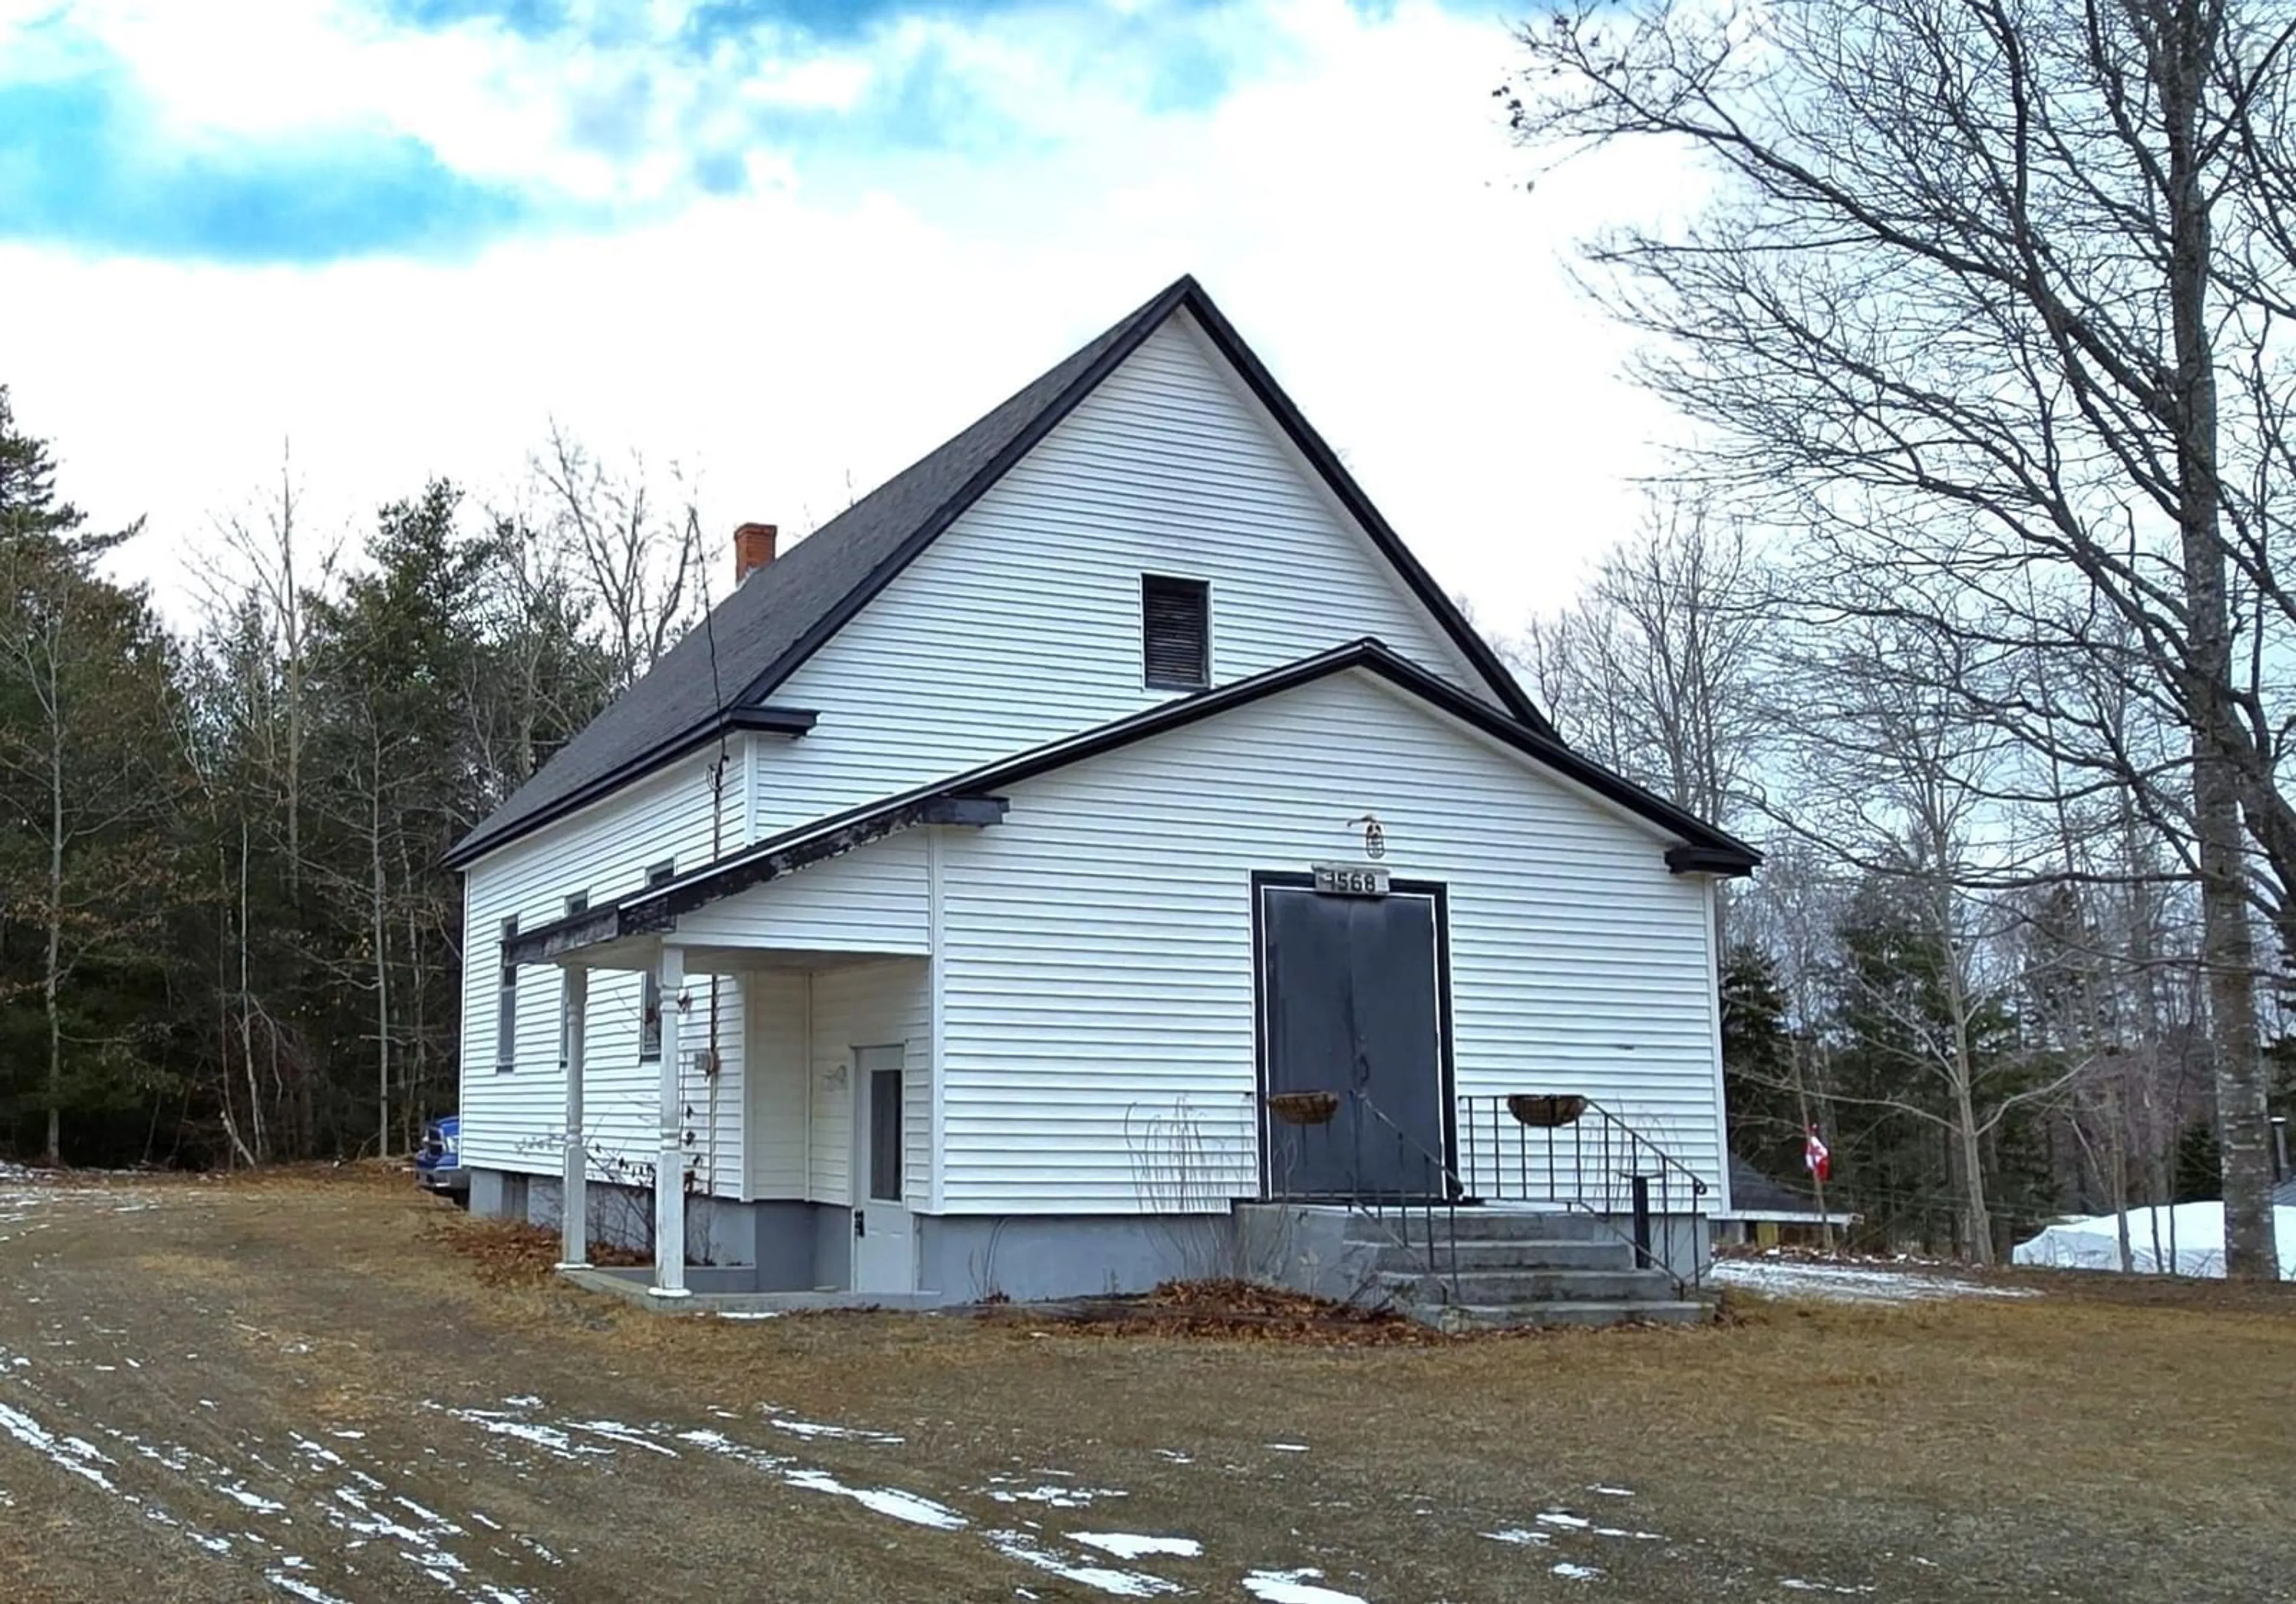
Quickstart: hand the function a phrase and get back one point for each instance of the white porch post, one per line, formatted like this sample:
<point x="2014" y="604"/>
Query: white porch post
<point x="574" y="1226"/>
<point x="669" y="1164"/>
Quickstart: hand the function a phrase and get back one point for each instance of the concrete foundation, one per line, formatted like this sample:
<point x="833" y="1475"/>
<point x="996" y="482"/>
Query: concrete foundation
<point x="793" y="1254"/>
<point x="783" y="1247"/>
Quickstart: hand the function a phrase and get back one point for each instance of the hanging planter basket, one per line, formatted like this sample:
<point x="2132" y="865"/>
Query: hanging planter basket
<point x="1544" y="1111"/>
<point x="1304" y="1108"/>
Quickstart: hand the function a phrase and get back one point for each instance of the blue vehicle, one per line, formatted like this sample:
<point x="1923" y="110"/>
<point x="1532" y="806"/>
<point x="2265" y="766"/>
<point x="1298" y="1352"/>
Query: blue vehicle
<point x="439" y="1161"/>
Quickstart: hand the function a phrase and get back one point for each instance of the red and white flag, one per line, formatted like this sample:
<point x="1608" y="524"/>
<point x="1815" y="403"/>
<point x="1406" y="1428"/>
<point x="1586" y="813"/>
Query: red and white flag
<point x="1816" y="1157"/>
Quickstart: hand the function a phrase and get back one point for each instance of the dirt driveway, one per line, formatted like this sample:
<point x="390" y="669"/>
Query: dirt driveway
<point x="295" y="1389"/>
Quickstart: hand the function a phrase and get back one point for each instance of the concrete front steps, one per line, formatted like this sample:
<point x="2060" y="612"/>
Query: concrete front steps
<point x="1513" y="1267"/>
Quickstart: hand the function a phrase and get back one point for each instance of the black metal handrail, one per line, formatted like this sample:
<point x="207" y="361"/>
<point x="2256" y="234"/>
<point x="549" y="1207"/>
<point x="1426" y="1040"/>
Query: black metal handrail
<point x="1585" y="1157"/>
<point x="1442" y="1189"/>
<point x="1434" y="1166"/>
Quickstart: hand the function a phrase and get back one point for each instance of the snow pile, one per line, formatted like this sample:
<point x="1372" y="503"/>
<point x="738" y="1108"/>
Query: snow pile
<point x="1849" y="1283"/>
<point x="2189" y="1238"/>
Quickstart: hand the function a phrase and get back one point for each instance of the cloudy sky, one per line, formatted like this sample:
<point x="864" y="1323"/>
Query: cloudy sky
<point x="788" y="245"/>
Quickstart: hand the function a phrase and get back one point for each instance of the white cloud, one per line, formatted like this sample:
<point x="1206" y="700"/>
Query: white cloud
<point x="1355" y="208"/>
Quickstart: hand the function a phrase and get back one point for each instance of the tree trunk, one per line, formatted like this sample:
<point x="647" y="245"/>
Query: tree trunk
<point x="1977" y="1220"/>
<point x="379" y="931"/>
<point x="2227" y="946"/>
<point x="52" y="976"/>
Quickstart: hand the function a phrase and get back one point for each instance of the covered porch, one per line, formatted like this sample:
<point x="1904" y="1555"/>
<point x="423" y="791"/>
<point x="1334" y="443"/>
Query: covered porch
<point x="783" y="1072"/>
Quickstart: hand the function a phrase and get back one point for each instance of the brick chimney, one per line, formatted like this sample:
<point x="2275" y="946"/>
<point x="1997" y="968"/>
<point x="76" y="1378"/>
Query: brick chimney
<point x="753" y="548"/>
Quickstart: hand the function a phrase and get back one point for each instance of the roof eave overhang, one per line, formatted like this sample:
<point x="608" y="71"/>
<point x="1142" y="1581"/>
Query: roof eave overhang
<point x="762" y="719"/>
<point x="1701" y="858"/>
<point x="656" y="909"/>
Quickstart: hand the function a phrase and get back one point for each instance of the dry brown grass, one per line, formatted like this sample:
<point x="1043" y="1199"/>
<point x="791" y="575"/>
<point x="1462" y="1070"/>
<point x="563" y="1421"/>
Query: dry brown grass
<point x="2106" y="1440"/>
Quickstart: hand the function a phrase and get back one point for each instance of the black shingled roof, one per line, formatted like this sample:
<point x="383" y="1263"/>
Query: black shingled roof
<point x="782" y="613"/>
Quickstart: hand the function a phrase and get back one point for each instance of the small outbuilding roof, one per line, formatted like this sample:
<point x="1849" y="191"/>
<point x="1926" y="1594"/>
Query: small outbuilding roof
<point x="1755" y="1196"/>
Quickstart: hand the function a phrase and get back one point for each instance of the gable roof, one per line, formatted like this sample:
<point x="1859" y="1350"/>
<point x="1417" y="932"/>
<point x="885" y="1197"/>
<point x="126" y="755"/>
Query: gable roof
<point x="972" y="798"/>
<point x="781" y="614"/>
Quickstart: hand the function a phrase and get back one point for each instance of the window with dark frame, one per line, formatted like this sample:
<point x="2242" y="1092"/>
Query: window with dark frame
<point x="1175" y="637"/>
<point x="650" y="986"/>
<point x="507" y="1003"/>
<point x="575" y="904"/>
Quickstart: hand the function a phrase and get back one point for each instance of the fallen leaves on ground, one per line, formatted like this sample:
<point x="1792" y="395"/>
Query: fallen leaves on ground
<point x="1229" y="1309"/>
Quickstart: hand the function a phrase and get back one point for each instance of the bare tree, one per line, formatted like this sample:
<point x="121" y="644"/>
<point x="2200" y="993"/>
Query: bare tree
<point x="636" y="563"/>
<point x="1652" y="670"/>
<point x="1963" y="313"/>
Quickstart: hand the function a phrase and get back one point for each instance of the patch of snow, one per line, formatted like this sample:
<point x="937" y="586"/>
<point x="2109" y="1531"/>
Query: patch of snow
<point x="1294" y="1587"/>
<point x="287" y="1581"/>
<point x="256" y="1502"/>
<point x="1796" y="1584"/>
<point x="748" y="1314"/>
<point x="1521" y="1534"/>
<point x="36" y="1436"/>
<point x="1576" y="1573"/>
<point x="524" y="1401"/>
<point x="1612" y="1492"/>
<point x="1850" y="1283"/>
<point x="1285" y="1447"/>
<point x="1563" y="1517"/>
<point x="810" y="1429"/>
<point x="1176" y="1456"/>
<point x="497" y="1424"/>
<point x="1132" y="1545"/>
<point x="1054" y="1495"/>
<point x="1100" y="1578"/>
<point x="2185" y="1237"/>
<point x="1637" y="1536"/>
<point x="614" y="1431"/>
<point x="911" y="1506"/>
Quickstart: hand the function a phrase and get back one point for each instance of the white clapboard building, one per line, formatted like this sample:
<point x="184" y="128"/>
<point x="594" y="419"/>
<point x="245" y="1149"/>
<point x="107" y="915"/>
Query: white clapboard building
<point x="948" y="913"/>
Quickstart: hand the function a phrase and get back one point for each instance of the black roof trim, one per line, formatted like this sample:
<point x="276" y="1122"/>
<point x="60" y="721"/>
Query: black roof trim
<point x="771" y="721"/>
<point x="792" y="722"/>
<point x="657" y="908"/>
<point x="1708" y="860"/>
<point x="1722" y="852"/>
<point x="970" y="799"/>
<point x="1326" y="462"/>
<point x="1183" y="294"/>
<point x="786" y="611"/>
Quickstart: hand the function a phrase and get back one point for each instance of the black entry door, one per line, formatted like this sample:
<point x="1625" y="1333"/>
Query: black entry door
<point x="1350" y="1000"/>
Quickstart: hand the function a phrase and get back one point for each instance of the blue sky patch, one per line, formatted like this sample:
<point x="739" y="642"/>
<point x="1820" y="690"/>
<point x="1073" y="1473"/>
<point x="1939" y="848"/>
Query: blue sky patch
<point x="81" y="166"/>
<point x="529" y="18"/>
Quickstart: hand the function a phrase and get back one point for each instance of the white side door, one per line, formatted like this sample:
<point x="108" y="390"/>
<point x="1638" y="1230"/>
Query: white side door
<point x="884" y="1235"/>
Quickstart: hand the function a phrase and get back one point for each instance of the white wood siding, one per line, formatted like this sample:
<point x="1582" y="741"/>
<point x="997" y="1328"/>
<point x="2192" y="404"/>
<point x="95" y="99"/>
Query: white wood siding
<point x="864" y="902"/>
<point x="516" y="1120"/>
<point x="778" y="1063"/>
<point x="1097" y="945"/>
<point x="1021" y="622"/>
<point x="871" y="1005"/>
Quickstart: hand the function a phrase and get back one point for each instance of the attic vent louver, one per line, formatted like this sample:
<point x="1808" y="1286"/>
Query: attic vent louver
<point x="1174" y="632"/>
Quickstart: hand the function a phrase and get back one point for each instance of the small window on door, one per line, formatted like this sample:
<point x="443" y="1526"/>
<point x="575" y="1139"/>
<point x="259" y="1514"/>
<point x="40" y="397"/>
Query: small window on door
<point x="1175" y="644"/>
<point x="885" y="1136"/>
<point x="650" y="985"/>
